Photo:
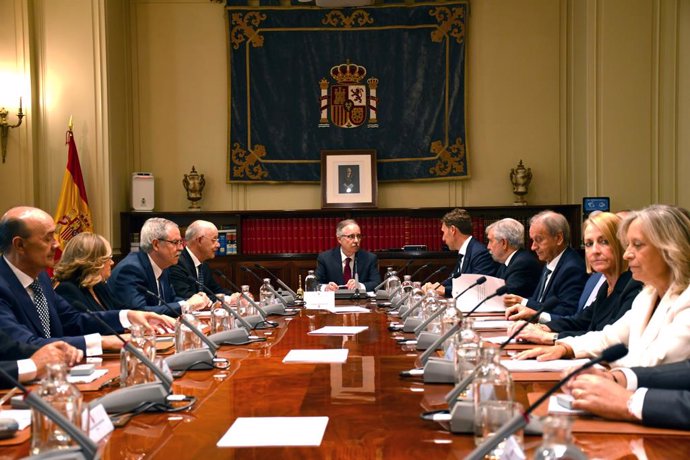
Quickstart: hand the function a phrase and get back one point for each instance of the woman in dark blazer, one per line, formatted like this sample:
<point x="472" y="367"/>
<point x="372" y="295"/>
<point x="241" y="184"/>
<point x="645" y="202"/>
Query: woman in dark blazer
<point x="603" y="254"/>
<point x="83" y="270"/>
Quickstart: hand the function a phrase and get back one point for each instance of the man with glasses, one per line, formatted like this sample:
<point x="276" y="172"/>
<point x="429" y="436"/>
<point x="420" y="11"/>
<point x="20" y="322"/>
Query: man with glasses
<point x="31" y="312"/>
<point x="160" y="246"/>
<point x="343" y="266"/>
<point x="202" y="244"/>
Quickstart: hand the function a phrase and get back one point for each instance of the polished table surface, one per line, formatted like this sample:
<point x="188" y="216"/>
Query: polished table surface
<point x="373" y="413"/>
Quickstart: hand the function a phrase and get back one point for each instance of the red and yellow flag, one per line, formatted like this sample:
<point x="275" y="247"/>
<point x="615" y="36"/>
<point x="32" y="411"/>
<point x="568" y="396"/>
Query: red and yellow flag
<point x="73" y="215"/>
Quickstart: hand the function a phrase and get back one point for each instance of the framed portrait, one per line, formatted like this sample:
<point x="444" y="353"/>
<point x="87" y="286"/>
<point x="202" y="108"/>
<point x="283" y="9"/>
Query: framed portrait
<point x="348" y="179"/>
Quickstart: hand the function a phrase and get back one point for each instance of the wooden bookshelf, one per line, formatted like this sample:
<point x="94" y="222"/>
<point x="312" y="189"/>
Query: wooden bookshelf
<point x="287" y="242"/>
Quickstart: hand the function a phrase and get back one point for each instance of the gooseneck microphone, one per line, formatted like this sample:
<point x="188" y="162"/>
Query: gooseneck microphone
<point x="87" y="447"/>
<point x="481" y="280"/>
<point x="293" y="294"/>
<point x="406" y="314"/>
<point x="129" y="398"/>
<point x="611" y="354"/>
<point x="275" y="309"/>
<point x="213" y="348"/>
<point x="452" y="395"/>
<point x="404" y="267"/>
<point x="248" y="323"/>
<point x="418" y="270"/>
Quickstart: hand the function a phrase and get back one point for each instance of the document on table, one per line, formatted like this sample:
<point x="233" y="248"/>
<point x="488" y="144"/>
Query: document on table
<point x="274" y="431"/>
<point x="338" y="355"/>
<point x="350" y="309"/>
<point x="339" y="330"/>
<point x="498" y="340"/>
<point x="21" y="416"/>
<point x="500" y="324"/>
<point x="95" y="375"/>
<point x="478" y="293"/>
<point x="532" y="365"/>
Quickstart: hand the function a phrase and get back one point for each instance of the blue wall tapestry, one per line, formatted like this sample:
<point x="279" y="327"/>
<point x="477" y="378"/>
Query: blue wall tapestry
<point x="389" y="77"/>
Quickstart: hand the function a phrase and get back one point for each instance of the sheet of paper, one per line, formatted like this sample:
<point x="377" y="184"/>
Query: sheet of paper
<point x="501" y="324"/>
<point x="498" y="339"/>
<point x="339" y="330"/>
<point x="350" y="309"/>
<point x="478" y="293"/>
<point x="98" y="373"/>
<point x="337" y="355"/>
<point x="532" y="365"/>
<point x="275" y="431"/>
<point x="21" y="416"/>
<point x="556" y="408"/>
<point x="319" y="299"/>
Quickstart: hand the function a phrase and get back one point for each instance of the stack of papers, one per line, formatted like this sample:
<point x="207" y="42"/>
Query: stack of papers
<point x="500" y="324"/>
<point x="95" y="375"/>
<point x="316" y="356"/>
<point x="532" y="365"/>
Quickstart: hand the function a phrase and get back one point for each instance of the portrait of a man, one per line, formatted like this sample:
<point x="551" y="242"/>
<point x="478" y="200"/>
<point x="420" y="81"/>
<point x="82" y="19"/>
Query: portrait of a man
<point x="348" y="179"/>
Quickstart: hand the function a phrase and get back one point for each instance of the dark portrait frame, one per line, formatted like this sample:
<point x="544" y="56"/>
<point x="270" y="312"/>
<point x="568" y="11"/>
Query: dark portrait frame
<point x="364" y="195"/>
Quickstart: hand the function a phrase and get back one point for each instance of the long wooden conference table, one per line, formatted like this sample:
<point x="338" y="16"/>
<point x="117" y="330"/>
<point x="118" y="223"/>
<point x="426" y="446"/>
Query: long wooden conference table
<point x="373" y="413"/>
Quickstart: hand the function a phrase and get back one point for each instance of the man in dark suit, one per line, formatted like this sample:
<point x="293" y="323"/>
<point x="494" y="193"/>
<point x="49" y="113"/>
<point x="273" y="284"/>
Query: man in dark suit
<point x="347" y="263"/>
<point x="519" y="268"/>
<point x="26" y="362"/>
<point x="202" y="243"/>
<point x="473" y="257"/>
<point x="656" y="396"/>
<point x="160" y="246"/>
<point x="563" y="277"/>
<point x="30" y="310"/>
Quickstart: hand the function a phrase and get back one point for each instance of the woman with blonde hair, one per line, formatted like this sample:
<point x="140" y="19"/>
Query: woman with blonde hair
<point x="603" y="254"/>
<point x="83" y="270"/>
<point x="656" y="329"/>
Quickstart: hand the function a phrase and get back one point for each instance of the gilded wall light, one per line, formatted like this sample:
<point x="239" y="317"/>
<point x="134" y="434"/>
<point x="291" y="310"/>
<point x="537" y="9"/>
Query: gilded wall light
<point x="5" y="127"/>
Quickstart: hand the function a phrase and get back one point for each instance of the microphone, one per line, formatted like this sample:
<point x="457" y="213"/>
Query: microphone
<point x="275" y="309"/>
<point x="129" y="398"/>
<point x="354" y="263"/>
<point x="418" y="270"/>
<point x="87" y="447"/>
<point x="291" y="298"/>
<point x="420" y="343"/>
<point x="406" y="314"/>
<point x="189" y="359"/>
<point x="382" y="294"/>
<point x="248" y="323"/>
<point x="452" y="396"/>
<point x="404" y="267"/>
<point x="481" y="280"/>
<point x="611" y="354"/>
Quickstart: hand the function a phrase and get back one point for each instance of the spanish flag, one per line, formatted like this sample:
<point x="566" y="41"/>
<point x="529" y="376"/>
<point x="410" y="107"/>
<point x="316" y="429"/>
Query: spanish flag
<point x="73" y="215"/>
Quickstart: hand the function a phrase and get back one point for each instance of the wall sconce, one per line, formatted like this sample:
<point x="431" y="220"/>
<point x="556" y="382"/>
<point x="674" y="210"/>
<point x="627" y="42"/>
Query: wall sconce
<point x="5" y="127"/>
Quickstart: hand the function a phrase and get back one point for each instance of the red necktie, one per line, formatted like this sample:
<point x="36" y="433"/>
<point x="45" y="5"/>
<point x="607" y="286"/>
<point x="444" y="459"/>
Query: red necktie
<point x="347" y="272"/>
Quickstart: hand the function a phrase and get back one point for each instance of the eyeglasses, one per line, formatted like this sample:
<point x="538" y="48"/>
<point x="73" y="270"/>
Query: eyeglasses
<point x="173" y="242"/>
<point x="357" y="236"/>
<point x="213" y="240"/>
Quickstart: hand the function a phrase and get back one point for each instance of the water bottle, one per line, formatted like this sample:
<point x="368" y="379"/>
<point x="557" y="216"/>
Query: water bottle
<point x="185" y="338"/>
<point x="246" y="307"/>
<point x="430" y="305"/>
<point x="66" y="399"/>
<point x="310" y="282"/>
<point x="558" y="441"/>
<point x="493" y="383"/>
<point x="407" y="284"/>
<point x="132" y="370"/>
<point x="466" y="346"/>
<point x="220" y="319"/>
<point x="392" y="282"/>
<point x="265" y="293"/>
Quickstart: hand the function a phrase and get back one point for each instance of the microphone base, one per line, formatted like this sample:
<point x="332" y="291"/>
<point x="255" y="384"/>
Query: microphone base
<point x="277" y="309"/>
<point x="411" y="324"/>
<point x="427" y="339"/>
<point x="254" y="320"/>
<point x="129" y="398"/>
<point x="462" y="420"/>
<point x="382" y="295"/>
<point x="439" y="371"/>
<point x="183" y="360"/>
<point x="238" y="336"/>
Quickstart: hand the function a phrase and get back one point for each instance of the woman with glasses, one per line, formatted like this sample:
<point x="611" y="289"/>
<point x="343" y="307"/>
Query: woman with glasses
<point x="83" y="270"/>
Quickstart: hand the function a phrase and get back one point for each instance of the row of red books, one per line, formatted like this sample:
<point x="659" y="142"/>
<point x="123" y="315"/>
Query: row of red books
<point x="316" y="234"/>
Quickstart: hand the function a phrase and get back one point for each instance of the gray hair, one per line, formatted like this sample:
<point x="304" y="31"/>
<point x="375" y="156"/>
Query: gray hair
<point x="155" y="228"/>
<point x="342" y="224"/>
<point x="196" y="228"/>
<point x="509" y="230"/>
<point x="555" y="223"/>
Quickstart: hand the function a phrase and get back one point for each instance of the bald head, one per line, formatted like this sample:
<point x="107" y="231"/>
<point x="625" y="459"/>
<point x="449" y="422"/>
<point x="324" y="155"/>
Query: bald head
<point x="27" y="239"/>
<point x="202" y="239"/>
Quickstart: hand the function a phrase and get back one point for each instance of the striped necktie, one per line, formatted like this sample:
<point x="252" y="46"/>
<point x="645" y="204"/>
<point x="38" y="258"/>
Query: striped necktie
<point x="41" y="307"/>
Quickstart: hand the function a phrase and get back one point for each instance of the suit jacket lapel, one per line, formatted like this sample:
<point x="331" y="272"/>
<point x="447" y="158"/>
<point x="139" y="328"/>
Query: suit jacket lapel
<point x="23" y="299"/>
